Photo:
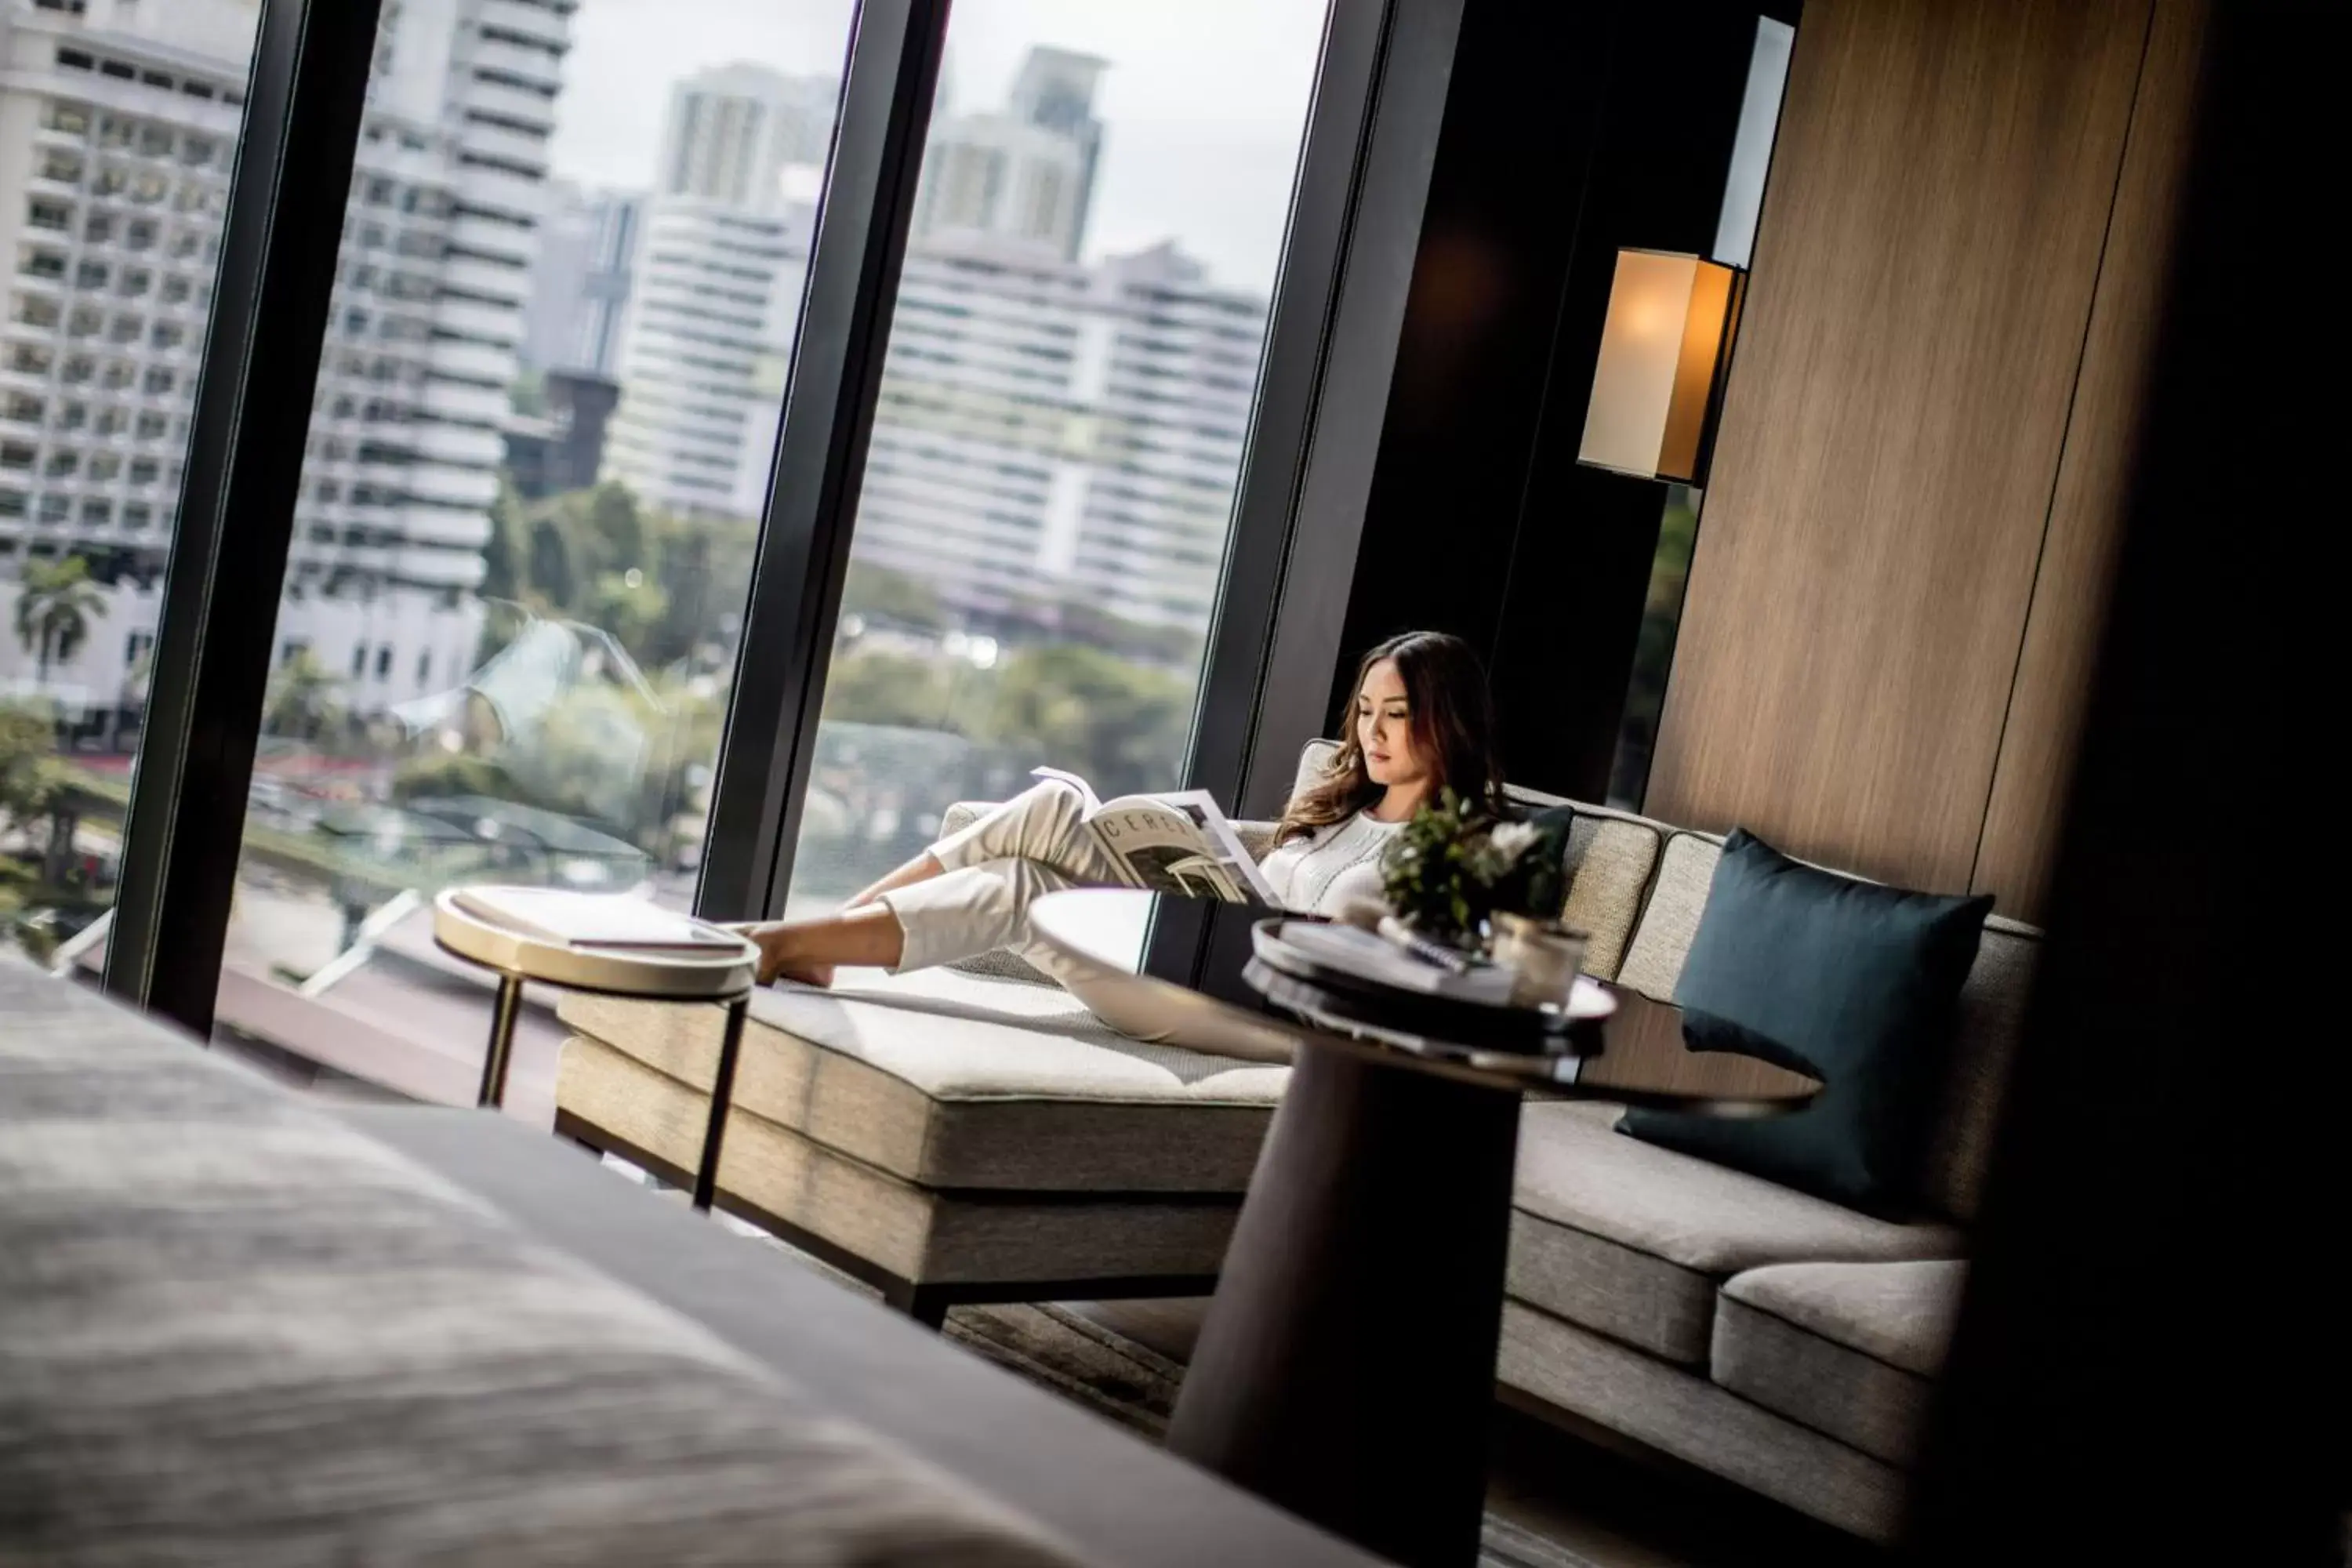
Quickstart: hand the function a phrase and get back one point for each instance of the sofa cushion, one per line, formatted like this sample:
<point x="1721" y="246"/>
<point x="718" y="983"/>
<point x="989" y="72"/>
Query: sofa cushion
<point x="1676" y="1412"/>
<point x="1654" y="958"/>
<point x="1990" y="1013"/>
<point x="770" y="1173"/>
<point x="953" y="1082"/>
<point x="1853" y="981"/>
<point x="1609" y="862"/>
<point x="235" y="1330"/>
<point x="1851" y="1350"/>
<point x="1632" y="1240"/>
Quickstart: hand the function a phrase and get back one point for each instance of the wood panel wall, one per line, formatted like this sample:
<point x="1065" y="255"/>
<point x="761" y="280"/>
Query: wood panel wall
<point x="2070" y="594"/>
<point x="1901" y="418"/>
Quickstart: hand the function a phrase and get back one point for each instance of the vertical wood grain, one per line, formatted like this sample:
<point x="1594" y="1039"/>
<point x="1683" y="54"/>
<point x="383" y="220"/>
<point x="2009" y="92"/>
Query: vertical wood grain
<point x="1924" y="275"/>
<point x="2062" y="629"/>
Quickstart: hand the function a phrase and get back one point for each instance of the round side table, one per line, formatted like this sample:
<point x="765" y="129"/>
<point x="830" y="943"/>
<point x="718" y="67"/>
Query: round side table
<point x="1347" y="1365"/>
<point x="726" y="976"/>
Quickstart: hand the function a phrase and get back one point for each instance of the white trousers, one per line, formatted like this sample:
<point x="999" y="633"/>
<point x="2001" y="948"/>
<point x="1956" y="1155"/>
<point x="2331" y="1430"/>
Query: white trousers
<point x="996" y="868"/>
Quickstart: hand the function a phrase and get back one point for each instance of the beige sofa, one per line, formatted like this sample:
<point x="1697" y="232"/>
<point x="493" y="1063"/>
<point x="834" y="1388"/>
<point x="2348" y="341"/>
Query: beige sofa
<point x="960" y="1136"/>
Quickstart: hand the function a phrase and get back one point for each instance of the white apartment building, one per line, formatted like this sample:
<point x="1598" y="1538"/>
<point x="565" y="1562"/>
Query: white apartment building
<point x="706" y="349"/>
<point x="1024" y="175"/>
<point x="715" y="290"/>
<point x="118" y="125"/>
<point x="1051" y="431"/>
<point x="732" y="131"/>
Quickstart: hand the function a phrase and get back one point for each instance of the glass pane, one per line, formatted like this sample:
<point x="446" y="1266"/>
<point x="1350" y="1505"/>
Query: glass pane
<point x="1072" y="366"/>
<point x="1653" y="649"/>
<point x="572" y="267"/>
<point x="118" y="124"/>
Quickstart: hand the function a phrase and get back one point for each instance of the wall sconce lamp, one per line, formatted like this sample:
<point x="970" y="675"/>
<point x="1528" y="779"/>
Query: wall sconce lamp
<point x="1664" y="349"/>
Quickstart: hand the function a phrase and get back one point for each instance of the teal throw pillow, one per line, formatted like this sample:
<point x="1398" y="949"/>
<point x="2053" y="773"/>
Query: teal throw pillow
<point x="1851" y="982"/>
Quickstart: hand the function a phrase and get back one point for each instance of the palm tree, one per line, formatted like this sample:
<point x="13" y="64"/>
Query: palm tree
<point x="55" y="603"/>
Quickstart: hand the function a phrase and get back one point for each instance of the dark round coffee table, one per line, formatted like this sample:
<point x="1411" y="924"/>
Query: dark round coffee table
<point x="1347" y="1365"/>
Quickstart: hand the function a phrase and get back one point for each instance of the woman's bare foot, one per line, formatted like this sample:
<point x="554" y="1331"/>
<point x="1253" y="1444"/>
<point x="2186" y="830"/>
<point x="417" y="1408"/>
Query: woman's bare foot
<point x="809" y="950"/>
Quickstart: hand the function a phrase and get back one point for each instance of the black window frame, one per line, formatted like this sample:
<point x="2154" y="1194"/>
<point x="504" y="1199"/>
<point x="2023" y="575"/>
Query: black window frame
<point x="184" y="832"/>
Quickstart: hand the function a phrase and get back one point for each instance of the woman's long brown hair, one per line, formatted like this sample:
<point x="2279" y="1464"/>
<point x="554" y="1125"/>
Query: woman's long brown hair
<point x="1453" y="725"/>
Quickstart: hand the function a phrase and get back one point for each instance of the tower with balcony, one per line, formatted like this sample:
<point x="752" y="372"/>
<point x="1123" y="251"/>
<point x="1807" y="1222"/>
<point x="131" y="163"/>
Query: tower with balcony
<point x="119" y="123"/>
<point x="714" y="290"/>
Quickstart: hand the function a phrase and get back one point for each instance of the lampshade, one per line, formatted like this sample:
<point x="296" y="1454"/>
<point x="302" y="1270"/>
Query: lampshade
<point x="1662" y="348"/>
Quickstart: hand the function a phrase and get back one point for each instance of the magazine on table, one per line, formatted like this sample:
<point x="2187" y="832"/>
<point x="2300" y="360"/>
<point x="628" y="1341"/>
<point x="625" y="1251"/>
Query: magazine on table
<point x="1178" y="842"/>
<point x="615" y="920"/>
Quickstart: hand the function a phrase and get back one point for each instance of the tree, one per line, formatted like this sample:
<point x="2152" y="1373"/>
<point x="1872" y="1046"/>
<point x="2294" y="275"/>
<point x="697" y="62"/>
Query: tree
<point x="612" y="520"/>
<point x="554" y="572"/>
<point x="630" y="607"/>
<point x="301" y="700"/>
<point x="877" y="685"/>
<point x="1122" y="725"/>
<point x="34" y="785"/>
<point x="704" y="564"/>
<point x="55" y="603"/>
<point x="504" y="562"/>
<point x="27" y="744"/>
<point x="877" y="593"/>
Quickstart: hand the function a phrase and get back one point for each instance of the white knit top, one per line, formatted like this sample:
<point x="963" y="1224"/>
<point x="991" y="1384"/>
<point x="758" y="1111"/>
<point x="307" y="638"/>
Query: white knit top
<point x="1331" y="867"/>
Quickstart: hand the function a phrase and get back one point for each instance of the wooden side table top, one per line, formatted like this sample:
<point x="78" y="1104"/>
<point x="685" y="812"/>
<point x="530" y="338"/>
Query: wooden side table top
<point x="664" y="975"/>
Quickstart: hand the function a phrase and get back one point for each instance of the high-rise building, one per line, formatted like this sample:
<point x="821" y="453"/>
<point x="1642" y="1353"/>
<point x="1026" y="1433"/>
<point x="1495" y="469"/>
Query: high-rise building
<point x="1053" y="432"/>
<point x="705" y="353"/>
<point x="561" y="448"/>
<point x="559" y="276"/>
<point x="117" y="130"/>
<point x="714" y="291"/>
<point x="614" y="219"/>
<point x="580" y="289"/>
<point x="1024" y="175"/>
<point x="119" y="121"/>
<point x="732" y="131"/>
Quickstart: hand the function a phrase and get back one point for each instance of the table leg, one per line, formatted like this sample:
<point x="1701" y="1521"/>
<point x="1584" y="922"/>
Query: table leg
<point x="723" y="1097"/>
<point x="503" y="1014"/>
<point x="1346" y="1370"/>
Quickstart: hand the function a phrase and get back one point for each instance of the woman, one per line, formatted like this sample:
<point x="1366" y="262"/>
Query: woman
<point x="1420" y="721"/>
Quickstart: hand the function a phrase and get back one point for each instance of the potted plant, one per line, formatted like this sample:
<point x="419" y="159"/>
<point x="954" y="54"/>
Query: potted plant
<point x="1454" y="867"/>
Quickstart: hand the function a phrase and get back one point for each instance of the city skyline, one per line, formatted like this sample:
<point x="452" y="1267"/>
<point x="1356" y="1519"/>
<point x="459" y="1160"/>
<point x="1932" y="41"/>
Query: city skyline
<point x="441" y="296"/>
<point x="1049" y="426"/>
<point x="1211" y="169"/>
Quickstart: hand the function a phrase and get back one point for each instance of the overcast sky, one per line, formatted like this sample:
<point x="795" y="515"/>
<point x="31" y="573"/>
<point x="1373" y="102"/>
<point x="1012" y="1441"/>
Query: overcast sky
<point x="1202" y="104"/>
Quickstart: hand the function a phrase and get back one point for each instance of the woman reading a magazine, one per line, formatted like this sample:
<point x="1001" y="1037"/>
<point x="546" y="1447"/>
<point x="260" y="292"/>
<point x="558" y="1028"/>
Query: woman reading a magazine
<point x="1420" y="721"/>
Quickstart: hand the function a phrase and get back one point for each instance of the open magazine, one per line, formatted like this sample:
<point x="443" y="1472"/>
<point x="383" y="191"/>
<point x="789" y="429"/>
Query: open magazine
<point x="1177" y="843"/>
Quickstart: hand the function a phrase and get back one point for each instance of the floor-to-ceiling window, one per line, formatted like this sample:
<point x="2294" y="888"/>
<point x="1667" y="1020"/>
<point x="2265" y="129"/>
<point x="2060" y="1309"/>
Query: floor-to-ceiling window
<point x="1073" y="363"/>
<point x="118" y="128"/>
<point x="571" y="275"/>
<point x="547" y="500"/>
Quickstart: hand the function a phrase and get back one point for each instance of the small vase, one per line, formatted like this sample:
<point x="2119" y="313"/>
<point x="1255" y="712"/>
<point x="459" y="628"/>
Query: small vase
<point x="1543" y="956"/>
